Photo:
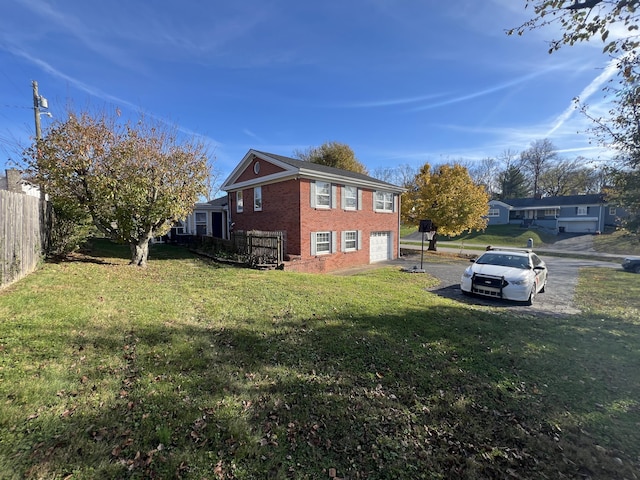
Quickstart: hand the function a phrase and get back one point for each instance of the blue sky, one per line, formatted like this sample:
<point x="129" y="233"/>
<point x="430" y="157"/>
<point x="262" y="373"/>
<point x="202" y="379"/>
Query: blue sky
<point x="402" y="82"/>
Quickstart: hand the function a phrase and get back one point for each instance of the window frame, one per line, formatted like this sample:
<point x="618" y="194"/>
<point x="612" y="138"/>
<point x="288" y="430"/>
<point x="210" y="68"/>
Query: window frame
<point x="356" y="241"/>
<point x="582" y="211"/>
<point x="493" y="212"/>
<point x="613" y="211"/>
<point x="384" y="201"/>
<point x="325" y="196"/>
<point x="331" y="242"/>
<point x="354" y="197"/>
<point x="239" y="202"/>
<point x="326" y="240"/>
<point x="257" y="199"/>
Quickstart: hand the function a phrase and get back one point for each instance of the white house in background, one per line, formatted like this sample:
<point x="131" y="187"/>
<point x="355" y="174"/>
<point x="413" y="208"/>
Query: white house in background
<point x="209" y="218"/>
<point x="13" y="182"/>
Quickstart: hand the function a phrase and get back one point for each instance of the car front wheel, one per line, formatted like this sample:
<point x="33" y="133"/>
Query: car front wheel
<point x="531" y="296"/>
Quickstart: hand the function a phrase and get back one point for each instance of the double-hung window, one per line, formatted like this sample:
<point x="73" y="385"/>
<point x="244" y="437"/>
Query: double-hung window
<point x="351" y="240"/>
<point x="323" y="195"/>
<point x="383" y="202"/>
<point x="350" y="197"/>
<point x="323" y="243"/>
<point x="582" y="210"/>
<point x="494" y="212"/>
<point x="239" y="202"/>
<point x="257" y="199"/>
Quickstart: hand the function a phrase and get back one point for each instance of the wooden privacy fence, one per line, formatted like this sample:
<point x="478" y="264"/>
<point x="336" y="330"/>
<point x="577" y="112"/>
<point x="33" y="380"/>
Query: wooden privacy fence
<point x="260" y="248"/>
<point x="20" y="235"/>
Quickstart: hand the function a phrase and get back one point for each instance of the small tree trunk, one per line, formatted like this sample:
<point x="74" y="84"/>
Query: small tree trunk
<point x="140" y="251"/>
<point x="432" y="243"/>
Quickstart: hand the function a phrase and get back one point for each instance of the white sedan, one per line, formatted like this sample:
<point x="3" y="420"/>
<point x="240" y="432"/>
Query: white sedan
<point x="508" y="273"/>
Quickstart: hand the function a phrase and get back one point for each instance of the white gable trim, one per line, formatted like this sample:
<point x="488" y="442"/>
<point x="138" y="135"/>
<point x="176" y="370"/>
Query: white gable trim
<point x="290" y="172"/>
<point x="498" y="203"/>
<point x="231" y="182"/>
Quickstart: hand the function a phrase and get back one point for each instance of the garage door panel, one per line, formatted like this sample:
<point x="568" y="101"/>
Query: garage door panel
<point x="379" y="246"/>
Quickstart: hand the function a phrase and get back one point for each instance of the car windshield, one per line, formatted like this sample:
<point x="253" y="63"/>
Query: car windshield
<point x="504" y="260"/>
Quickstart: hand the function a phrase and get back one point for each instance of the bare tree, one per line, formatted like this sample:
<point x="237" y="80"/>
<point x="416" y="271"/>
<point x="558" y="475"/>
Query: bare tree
<point x="486" y="173"/>
<point x="536" y="160"/>
<point x="402" y="175"/>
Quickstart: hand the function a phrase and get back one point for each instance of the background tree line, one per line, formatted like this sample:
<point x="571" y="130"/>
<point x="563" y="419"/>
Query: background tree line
<point x="537" y="171"/>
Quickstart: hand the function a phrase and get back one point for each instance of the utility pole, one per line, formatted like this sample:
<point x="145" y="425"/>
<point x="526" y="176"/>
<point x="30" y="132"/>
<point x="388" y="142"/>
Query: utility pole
<point x="45" y="217"/>
<point x="36" y="109"/>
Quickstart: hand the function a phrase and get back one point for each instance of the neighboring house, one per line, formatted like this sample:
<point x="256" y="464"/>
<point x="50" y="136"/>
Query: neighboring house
<point x="331" y="218"/>
<point x="13" y="182"/>
<point x="571" y="214"/>
<point x="210" y="219"/>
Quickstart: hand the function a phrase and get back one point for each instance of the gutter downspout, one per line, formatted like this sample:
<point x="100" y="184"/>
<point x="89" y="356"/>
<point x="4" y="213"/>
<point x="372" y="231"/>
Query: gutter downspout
<point x="399" y="215"/>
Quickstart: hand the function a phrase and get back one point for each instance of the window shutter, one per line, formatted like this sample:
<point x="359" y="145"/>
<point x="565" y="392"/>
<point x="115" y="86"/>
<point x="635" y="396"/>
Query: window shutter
<point x="313" y="243"/>
<point x="313" y="197"/>
<point x="343" y="241"/>
<point x="359" y="245"/>
<point x="343" y="203"/>
<point x="334" y="196"/>
<point x="359" y="199"/>
<point x="395" y="203"/>
<point x="334" y="242"/>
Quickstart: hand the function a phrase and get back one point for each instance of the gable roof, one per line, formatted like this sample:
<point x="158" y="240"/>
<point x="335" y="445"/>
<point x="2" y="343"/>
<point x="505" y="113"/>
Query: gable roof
<point x="557" y="202"/>
<point x="292" y="168"/>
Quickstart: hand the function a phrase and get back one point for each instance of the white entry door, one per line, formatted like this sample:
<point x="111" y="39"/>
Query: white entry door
<point x="379" y="246"/>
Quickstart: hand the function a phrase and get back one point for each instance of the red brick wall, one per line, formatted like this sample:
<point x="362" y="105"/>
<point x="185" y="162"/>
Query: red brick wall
<point x="286" y="206"/>
<point x="280" y="212"/>
<point x="337" y="219"/>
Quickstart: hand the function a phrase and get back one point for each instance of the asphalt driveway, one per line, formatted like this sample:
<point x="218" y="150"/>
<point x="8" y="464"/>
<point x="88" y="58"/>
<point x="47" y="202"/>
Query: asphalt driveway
<point x="558" y="298"/>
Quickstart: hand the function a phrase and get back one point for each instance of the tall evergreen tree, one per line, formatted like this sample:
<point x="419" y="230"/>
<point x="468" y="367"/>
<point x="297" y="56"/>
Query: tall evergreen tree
<point x="513" y="184"/>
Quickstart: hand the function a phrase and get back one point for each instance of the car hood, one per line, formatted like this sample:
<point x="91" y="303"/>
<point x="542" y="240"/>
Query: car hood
<point x="500" y="271"/>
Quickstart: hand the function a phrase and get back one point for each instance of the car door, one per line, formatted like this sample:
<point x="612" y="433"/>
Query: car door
<point x="540" y="270"/>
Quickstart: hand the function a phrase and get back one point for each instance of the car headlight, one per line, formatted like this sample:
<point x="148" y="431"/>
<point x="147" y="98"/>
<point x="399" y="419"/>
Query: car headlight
<point x="467" y="274"/>
<point x="521" y="281"/>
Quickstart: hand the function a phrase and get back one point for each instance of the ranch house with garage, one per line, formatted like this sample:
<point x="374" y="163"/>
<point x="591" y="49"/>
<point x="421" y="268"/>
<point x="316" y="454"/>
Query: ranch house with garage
<point x="330" y="218"/>
<point x="570" y="214"/>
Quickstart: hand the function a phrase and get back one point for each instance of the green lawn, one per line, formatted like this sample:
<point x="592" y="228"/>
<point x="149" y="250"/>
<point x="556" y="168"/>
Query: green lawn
<point x="504" y="235"/>
<point x="188" y="369"/>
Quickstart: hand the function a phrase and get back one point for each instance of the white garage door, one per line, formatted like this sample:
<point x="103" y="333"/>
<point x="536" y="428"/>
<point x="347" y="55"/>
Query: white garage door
<point x="379" y="246"/>
<point x="582" y="226"/>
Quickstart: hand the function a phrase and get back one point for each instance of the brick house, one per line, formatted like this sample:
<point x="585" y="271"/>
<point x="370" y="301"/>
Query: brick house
<point x="331" y="218"/>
